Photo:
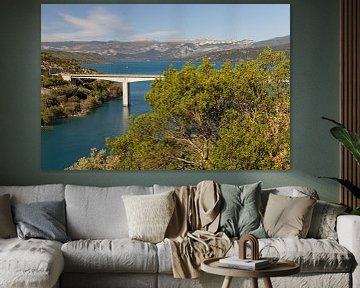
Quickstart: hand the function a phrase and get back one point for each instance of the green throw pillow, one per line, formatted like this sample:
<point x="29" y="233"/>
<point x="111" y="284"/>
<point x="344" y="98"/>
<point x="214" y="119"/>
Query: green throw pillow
<point x="240" y="213"/>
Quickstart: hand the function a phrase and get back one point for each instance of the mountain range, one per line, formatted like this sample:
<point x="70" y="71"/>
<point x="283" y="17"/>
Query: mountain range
<point x="103" y="51"/>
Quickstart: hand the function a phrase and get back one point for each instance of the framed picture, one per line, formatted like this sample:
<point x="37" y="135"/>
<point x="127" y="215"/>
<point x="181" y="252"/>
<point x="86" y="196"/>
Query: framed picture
<point x="165" y="86"/>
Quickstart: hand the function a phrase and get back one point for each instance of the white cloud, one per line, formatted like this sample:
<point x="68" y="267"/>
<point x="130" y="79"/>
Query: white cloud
<point x="158" y="35"/>
<point x="97" y="25"/>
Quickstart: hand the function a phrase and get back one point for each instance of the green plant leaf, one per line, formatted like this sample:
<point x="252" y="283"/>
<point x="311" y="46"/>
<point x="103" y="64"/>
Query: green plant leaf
<point x="355" y="211"/>
<point x="348" y="138"/>
<point x="347" y="184"/>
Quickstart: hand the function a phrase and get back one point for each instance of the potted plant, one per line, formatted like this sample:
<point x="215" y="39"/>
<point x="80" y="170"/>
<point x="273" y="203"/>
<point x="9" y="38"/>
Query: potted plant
<point x="351" y="141"/>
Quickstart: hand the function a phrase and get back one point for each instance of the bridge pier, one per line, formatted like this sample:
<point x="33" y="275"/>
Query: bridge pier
<point x="125" y="93"/>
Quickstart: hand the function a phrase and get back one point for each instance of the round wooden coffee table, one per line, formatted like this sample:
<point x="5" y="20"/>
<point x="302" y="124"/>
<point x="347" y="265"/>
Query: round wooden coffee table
<point x="281" y="268"/>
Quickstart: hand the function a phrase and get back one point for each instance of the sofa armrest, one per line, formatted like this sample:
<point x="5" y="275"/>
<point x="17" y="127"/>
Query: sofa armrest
<point x="348" y="230"/>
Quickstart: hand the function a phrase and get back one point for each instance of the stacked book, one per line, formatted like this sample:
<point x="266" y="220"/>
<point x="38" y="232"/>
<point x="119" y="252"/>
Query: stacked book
<point x="248" y="264"/>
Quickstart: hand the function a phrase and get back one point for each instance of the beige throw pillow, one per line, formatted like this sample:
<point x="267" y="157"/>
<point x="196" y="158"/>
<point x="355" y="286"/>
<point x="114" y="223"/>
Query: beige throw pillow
<point x="7" y="226"/>
<point x="288" y="217"/>
<point x="148" y="215"/>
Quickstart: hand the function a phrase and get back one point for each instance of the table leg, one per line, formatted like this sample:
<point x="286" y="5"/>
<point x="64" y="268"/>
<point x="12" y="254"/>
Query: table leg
<point x="227" y="282"/>
<point x="254" y="282"/>
<point x="267" y="283"/>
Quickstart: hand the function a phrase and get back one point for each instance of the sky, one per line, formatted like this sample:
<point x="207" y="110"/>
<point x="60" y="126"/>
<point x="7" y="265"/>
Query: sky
<point x="163" y="22"/>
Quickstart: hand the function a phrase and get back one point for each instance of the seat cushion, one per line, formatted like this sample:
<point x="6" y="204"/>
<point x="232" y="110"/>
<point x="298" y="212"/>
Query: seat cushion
<point x="313" y="255"/>
<point x="117" y="255"/>
<point x="30" y="263"/>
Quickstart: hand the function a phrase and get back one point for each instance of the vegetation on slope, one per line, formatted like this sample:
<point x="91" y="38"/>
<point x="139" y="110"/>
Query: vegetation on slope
<point x="61" y="99"/>
<point x="203" y="118"/>
<point x="243" y="54"/>
<point x="78" y="57"/>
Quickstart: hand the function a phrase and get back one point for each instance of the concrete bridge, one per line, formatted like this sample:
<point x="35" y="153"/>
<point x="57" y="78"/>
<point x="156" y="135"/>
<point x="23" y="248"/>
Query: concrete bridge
<point x="125" y="79"/>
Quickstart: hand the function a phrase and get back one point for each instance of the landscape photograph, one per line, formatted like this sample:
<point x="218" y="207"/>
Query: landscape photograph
<point x="165" y="87"/>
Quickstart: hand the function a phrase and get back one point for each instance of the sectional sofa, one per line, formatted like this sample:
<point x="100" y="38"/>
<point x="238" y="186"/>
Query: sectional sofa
<point x="100" y="253"/>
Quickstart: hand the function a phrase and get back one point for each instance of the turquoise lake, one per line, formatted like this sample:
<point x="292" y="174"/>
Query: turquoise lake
<point x="70" y="139"/>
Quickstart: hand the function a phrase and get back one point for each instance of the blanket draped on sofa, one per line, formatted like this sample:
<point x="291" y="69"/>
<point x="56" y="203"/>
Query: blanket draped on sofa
<point x="191" y="231"/>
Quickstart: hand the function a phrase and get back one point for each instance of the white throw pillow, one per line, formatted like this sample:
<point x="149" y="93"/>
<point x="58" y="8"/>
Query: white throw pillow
<point x="149" y="215"/>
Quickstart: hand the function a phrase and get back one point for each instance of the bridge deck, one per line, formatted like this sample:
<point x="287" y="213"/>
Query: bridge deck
<point x="125" y="79"/>
<point x="116" y="75"/>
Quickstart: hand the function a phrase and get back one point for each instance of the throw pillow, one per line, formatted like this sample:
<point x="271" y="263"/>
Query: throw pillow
<point x="240" y="213"/>
<point x="323" y="222"/>
<point x="43" y="220"/>
<point x="7" y="227"/>
<point x="288" y="217"/>
<point x="149" y="215"/>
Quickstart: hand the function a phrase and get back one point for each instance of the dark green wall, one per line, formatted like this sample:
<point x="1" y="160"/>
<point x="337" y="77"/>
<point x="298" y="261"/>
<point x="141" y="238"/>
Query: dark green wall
<point x="314" y="93"/>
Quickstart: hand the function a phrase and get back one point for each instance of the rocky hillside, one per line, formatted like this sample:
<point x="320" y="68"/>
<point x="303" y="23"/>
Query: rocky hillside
<point x="154" y="50"/>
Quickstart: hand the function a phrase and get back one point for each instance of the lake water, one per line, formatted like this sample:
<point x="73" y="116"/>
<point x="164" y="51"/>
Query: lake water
<point x="70" y="139"/>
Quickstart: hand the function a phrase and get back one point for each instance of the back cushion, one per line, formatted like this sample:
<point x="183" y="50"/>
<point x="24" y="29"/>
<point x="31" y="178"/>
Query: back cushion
<point x="36" y="193"/>
<point x="163" y="188"/>
<point x="98" y="212"/>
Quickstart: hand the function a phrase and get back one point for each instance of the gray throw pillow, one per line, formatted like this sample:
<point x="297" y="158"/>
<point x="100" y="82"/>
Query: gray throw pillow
<point x="7" y="226"/>
<point x="323" y="222"/>
<point x="240" y="213"/>
<point x="43" y="220"/>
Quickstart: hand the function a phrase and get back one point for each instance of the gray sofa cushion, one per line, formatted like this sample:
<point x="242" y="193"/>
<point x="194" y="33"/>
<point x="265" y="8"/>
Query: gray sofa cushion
<point x="163" y="188"/>
<point x="36" y="193"/>
<point x="117" y="255"/>
<point x="98" y="213"/>
<point x="30" y="263"/>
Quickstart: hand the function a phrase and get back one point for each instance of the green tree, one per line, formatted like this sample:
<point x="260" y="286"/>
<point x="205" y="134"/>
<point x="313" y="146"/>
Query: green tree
<point x="236" y="117"/>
